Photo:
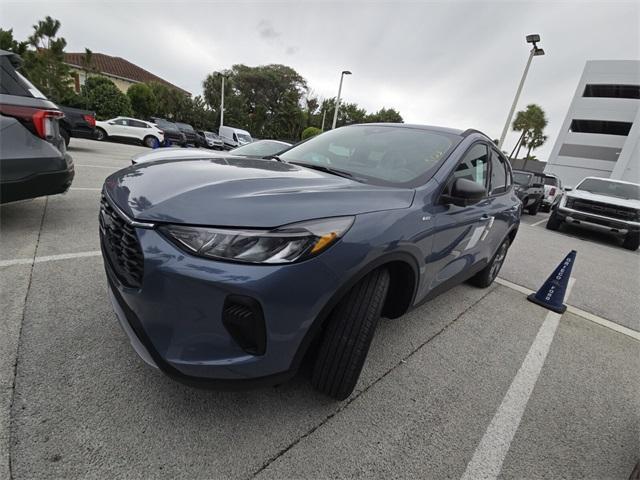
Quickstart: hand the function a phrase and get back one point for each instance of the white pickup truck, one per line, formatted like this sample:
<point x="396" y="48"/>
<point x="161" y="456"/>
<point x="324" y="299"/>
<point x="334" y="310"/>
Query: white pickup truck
<point x="604" y="204"/>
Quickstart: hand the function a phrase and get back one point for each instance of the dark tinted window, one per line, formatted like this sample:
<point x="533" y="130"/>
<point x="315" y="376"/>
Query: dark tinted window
<point x="474" y="165"/>
<point x="498" y="174"/>
<point x="385" y="155"/>
<point x="121" y="121"/>
<point x="613" y="189"/>
<point x="522" y="178"/>
<point x="600" y="126"/>
<point x="553" y="181"/>
<point x="13" y="83"/>
<point x="136" y="123"/>
<point x="612" y="91"/>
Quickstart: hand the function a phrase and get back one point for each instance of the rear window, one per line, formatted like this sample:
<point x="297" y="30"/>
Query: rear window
<point x="13" y="82"/>
<point x="551" y="181"/>
<point x="521" y="178"/>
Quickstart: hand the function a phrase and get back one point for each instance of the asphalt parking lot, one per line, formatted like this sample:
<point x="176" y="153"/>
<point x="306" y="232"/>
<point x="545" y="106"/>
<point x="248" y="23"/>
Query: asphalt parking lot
<point x="474" y="383"/>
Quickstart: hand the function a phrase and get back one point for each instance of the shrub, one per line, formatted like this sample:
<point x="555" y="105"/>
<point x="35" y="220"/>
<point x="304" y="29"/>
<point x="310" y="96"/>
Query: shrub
<point x="105" y="99"/>
<point x="310" y="132"/>
<point x="143" y="100"/>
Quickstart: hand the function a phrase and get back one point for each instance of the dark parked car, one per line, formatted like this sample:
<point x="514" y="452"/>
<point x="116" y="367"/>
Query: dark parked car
<point x="233" y="270"/>
<point x="530" y="189"/>
<point x="189" y="133"/>
<point x="77" y="123"/>
<point x="33" y="158"/>
<point x="172" y="134"/>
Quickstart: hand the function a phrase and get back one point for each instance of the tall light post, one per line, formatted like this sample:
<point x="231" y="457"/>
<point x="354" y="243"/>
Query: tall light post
<point x="535" y="52"/>
<point x="335" y="113"/>
<point x="222" y="99"/>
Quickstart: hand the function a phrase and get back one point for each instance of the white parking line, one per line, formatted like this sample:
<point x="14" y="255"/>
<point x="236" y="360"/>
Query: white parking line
<point x="49" y="258"/>
<point x="578" y="312"/>
<point x="494" y="445"/>
<point x="539" y="222"/>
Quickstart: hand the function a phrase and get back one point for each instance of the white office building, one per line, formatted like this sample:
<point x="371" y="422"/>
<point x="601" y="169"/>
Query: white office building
<point x="601" y="134"/>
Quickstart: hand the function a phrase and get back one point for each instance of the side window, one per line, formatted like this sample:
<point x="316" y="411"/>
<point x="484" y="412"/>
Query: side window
<point x="135" y="123"/>
<point x="235" y="137"/>
<point x="122" y="121"/>
<point x="474" y="166"/>
<point x="498" y="174"/>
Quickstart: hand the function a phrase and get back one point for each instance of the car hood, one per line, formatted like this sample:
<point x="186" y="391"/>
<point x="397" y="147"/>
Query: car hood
<point x="594" y="197"/>
<point x="242" y="192"/>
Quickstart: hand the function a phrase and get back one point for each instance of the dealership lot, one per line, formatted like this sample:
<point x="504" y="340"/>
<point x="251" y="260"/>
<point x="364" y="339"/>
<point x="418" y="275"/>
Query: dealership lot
<point x="77" y="402"/>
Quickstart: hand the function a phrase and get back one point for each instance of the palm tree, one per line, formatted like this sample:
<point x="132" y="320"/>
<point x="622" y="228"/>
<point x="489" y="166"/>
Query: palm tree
<point x="531" y="122"/>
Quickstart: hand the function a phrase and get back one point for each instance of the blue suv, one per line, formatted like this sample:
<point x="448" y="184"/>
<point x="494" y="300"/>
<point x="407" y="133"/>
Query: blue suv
<point x="230" y="271"/>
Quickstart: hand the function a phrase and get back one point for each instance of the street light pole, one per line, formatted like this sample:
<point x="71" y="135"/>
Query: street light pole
<point x="324" y="115"/>
<point x="335" y="113"/>
<point x="222" y="102"/>
<point x="535" y="52"/>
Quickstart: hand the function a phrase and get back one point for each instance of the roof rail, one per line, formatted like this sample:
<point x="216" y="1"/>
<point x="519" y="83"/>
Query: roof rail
<point x="469" y="131"/>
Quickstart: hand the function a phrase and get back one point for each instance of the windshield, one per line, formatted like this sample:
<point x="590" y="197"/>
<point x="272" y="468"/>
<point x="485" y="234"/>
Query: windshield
<point x="184" y="126"/>
<point x="211" y="135"/>
<point x="521" y="178"/>
<point x="385" y="155"/>
<point x="260" y="148"/>
<point x="553" y="181"/>
<point x="610" y="189"/>
<point x="244" y="137"/>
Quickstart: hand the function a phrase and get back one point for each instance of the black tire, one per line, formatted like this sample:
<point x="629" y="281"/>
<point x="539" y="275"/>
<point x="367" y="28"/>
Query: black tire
<point x="150" y="141"/>
<point x="348" y="335"/>
<point x="101" y="135"/>
<point x="533" y="209"/>
<point x="553" y="223"/>
<point x="488" y="274"/>
<point x="65" y="136"/>
<point x="631" y="241"/>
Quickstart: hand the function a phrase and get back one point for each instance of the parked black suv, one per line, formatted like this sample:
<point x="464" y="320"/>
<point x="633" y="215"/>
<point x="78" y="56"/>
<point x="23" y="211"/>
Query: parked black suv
<point x="190" y="133"/>
<point x="172" y="134"/>
<point x="530" y="189"/>
<point x="77" y="123"/>
<point x="34" y="161"/>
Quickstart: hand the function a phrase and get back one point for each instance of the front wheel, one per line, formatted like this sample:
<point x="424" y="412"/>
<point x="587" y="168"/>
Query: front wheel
<point x="348" y="335"/>
<point x="553" y="223"/>
<point x="631" y="241"/>
<point x="488" y="274"/>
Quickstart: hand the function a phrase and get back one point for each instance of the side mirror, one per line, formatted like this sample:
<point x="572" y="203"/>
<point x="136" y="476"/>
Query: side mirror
<point x="465" y="192"/>
<point x="112" y="123"/>
<point x="568" y="189"/>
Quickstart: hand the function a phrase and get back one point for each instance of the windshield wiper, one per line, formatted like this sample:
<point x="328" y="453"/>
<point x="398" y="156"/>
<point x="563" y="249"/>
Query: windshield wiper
<point x="274" y="157"/>
<point x="323" y="168"/>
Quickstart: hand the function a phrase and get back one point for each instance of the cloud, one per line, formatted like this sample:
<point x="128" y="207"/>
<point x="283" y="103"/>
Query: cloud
<point x="291" y="50"/>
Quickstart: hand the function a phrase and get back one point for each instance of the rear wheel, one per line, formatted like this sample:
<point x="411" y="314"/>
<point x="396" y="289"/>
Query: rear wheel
<point x="150" y="141"/>
<point x="631" y="241"/>
<point x="348" y="335"/>
<point x="553" y="223"/>
<point x="533" y="209"/>
<point x="488" y="274"/>
<point x="101" y="134"/>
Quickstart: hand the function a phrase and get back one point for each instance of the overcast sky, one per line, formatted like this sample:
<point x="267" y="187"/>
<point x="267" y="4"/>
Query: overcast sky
<point x="441" y="63"/>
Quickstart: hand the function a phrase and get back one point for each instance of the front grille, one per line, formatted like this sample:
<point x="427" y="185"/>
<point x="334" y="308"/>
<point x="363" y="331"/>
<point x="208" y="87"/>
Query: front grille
<point x="121" y="246"/>
<point x="605" y="210"/>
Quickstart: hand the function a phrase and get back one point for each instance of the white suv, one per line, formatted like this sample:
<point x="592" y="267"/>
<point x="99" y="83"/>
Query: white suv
<point x="603" y="204"/>
<point x="130" y="129"/>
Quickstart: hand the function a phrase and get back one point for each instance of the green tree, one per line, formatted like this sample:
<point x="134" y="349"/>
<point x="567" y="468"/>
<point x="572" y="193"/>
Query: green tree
<point x="142" y="99"/>
<point x="102" y="95"/>
<point x="531" y="122"/>
<point x="384" y="115"/>
<point x="7" y="42"/>
<point x="44" y="64"/>
<point x="310" y="132"/>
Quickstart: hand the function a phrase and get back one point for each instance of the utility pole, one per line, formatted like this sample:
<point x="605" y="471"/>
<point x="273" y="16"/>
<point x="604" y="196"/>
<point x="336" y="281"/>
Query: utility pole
<point x="324" y="115"/>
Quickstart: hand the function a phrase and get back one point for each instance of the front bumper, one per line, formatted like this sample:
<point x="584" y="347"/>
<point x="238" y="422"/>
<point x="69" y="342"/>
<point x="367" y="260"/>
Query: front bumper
<point x="174" y="321"/>
<point x="597" y="222"/>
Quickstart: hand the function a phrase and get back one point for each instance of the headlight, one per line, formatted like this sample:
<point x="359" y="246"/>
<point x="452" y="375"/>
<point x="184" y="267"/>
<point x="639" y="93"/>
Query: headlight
<point x="287" y="244"/>
<point x="568" y="202"/>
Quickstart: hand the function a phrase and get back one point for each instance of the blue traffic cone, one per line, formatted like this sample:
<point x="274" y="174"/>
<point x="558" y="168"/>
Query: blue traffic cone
<point x="551" y="294"/>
